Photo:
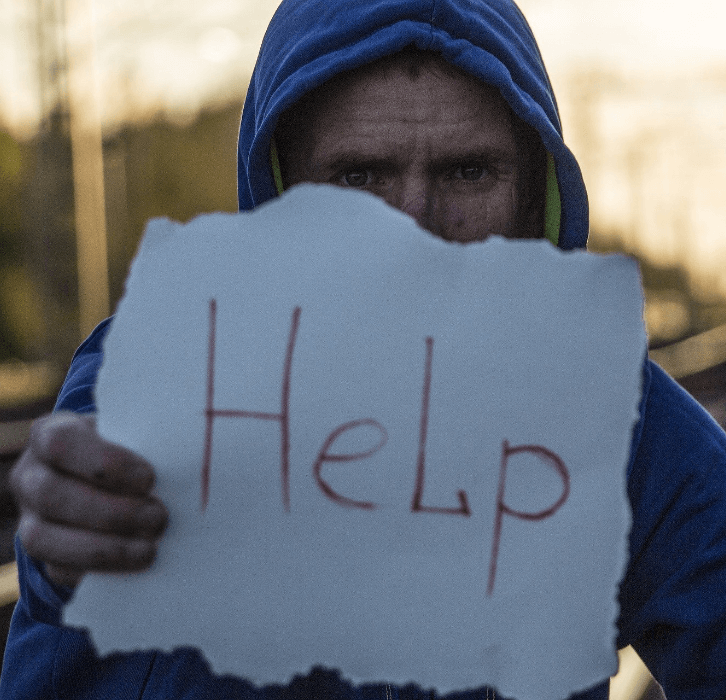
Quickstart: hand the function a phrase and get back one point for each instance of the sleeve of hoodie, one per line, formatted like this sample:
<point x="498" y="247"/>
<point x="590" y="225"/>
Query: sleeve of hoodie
<point x="38" y="647"/>
<point x="673" y="597"/>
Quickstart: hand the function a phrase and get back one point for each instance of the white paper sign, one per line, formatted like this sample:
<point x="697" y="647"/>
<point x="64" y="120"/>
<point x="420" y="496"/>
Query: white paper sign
<point x="381" y="452"/>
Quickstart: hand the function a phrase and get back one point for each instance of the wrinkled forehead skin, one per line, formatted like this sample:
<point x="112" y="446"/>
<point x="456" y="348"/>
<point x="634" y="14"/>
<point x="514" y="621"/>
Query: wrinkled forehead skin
<point x="310" y="41"/>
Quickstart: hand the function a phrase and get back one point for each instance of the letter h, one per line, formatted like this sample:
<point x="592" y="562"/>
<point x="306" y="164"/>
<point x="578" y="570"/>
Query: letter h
<point x="283" y="417"/>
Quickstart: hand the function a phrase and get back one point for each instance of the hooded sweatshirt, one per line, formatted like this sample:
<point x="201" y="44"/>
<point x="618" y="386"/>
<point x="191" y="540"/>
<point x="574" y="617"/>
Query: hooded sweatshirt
<point x="673" y="594"/>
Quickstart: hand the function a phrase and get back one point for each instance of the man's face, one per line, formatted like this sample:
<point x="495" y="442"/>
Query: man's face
<point x="439" y="146"/>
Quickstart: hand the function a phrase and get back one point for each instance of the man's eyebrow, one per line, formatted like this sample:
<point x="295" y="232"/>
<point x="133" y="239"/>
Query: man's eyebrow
<point x="361" y="157"/>
<point x="370" y="156"/>
<point x="488" y="153"/>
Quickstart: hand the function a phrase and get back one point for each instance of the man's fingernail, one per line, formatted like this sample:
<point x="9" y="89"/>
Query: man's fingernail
<point x="141" y="552"/>
<point x="152" y="516"/>
<point x="143" y="477"/>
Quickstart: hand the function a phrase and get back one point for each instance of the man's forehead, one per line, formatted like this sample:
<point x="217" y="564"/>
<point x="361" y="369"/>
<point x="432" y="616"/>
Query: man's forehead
<point x="412" y="62"/>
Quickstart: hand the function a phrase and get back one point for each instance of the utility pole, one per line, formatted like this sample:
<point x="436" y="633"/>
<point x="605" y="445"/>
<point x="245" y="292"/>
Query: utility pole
<point x="87" y="150"/>
<point x="48" y="249"/>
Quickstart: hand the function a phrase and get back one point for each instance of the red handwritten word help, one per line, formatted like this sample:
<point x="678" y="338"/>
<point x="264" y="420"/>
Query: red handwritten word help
<point x="327" y="454"/>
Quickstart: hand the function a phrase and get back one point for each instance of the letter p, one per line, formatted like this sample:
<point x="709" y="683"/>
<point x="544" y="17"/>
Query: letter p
<point x="548" y="457"/>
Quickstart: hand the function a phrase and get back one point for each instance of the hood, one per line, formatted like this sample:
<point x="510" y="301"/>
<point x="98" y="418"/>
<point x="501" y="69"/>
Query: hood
<point x="310" y="41"/>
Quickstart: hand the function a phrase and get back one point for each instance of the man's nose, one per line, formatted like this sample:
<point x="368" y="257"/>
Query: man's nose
<point x="415" y="198"/>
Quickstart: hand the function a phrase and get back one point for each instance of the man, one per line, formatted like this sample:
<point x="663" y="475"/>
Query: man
<point x="444" y="109"/>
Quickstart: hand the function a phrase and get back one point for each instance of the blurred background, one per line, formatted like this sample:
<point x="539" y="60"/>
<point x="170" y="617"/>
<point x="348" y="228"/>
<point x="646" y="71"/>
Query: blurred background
<point x="115" y="111"/>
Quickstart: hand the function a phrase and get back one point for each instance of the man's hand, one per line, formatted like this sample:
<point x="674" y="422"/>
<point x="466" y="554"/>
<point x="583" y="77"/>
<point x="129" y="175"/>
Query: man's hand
<point x="85" y="504"/>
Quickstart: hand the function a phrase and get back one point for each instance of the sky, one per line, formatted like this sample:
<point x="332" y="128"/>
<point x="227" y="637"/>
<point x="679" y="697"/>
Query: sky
<point x="169" y="56"/>
<point x="640" y="35"/>
<point x="663" y="110"/>
<point x="173" y="56"/>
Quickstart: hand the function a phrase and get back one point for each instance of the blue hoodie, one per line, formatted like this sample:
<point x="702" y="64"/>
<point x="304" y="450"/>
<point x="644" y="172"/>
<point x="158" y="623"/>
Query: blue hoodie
<point x="673" y="595"/>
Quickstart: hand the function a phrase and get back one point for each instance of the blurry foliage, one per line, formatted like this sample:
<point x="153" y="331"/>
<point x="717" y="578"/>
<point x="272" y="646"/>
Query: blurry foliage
<point x="11" y="171"/>
<point x="162" y="169"/>
<point x="22" y="309"/>
<point x="168" y="170"/>
<point x="158" y="169"/>
<point x="673" y="311"/>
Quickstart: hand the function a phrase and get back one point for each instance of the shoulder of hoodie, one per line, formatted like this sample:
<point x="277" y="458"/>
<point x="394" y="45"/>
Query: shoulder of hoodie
<point x="77" y="392"/>
<point x="677" y="449"/>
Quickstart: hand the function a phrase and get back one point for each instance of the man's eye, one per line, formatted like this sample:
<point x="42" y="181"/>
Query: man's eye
<point x="470" y="172"/>
<point x="356" y="178"/>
